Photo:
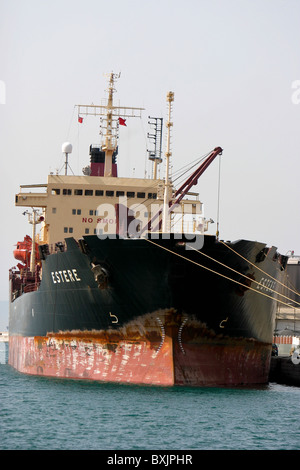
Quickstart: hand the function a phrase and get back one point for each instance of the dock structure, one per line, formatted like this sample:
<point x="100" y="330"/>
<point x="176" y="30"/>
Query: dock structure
<point x="285" y="368"/>
<point x="4" y="337"/>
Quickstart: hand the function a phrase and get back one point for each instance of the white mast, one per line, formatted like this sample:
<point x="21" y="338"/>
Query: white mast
<point x="111" y="115"/>
<point x="110" y="143"/>
<point x="33" y="218"/>
<point x="165" y="224"/>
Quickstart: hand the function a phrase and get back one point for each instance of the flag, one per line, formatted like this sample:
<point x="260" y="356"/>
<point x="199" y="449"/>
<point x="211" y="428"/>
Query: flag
<point x="122" y="122"/>
<point x="80" y="119"/>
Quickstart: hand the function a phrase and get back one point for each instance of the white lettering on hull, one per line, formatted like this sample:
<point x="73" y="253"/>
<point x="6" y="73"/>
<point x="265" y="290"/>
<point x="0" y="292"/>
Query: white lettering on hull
<point x="68" y="275"/>
<point x="266" y="284"/>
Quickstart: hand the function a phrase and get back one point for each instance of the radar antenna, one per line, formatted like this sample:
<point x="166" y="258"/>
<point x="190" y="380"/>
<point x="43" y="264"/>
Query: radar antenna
<point x="113" y="116"/>
<point x="66" y="149"/>
<point x="155" y="154"/>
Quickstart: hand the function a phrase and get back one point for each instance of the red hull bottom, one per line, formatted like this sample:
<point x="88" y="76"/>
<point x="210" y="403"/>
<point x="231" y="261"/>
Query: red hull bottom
<point x="206" y="362"/>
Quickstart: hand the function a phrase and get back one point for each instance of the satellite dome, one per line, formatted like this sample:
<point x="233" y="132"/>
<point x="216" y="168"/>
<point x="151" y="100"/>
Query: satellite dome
<point x="67" y="147"/>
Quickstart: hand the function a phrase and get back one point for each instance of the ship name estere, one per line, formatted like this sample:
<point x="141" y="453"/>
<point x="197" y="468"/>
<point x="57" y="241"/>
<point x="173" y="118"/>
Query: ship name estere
<point x="68" y="275"/>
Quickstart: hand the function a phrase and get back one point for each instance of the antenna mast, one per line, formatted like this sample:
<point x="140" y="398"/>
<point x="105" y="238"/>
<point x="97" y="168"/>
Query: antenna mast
<point x="66" y="148"/>
<point x="155" y="155"/>
<point x="111" y="115"/>
<point x="165" y="227"/>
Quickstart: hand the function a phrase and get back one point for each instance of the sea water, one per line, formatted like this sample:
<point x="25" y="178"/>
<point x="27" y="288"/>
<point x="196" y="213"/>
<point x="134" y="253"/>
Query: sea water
<point x="3" y="352"/>
<point x="38" y="413"/>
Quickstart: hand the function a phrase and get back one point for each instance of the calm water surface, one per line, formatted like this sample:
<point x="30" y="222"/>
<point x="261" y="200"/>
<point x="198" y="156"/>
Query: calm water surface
<point x="40" y="413"/>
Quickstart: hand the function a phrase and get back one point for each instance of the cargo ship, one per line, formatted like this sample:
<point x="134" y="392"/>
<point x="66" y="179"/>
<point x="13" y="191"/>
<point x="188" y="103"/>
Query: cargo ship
<point x="122" y="283"/>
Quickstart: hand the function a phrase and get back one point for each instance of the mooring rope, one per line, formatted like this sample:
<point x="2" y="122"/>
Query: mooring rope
<point x="217" y="273"/>
<point x="229" y="247"/>
<point x="244" y="275"/>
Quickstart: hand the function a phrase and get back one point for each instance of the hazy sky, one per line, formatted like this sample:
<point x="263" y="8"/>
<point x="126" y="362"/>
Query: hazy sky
<point x="232" y="65"/>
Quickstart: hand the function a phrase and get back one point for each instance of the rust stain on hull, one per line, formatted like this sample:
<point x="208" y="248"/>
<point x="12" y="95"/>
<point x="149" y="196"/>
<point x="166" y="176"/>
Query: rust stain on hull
<point x="135" y="362"/>
<point x="161" y="348"/>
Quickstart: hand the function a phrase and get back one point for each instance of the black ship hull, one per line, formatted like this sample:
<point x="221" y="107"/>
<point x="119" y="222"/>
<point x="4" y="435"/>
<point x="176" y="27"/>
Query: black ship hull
<point x="152" y="310"/>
